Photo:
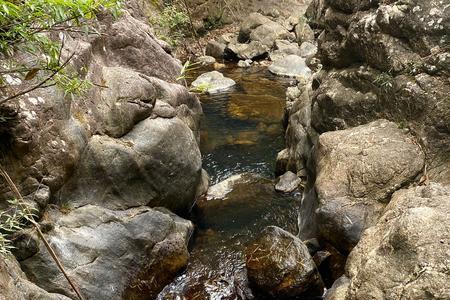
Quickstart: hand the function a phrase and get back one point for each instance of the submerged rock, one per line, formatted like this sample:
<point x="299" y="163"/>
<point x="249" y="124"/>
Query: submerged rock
<point x="264" y="108"/>
<point x="288" y="182"/>
<point x="279" y="266"/>
<point x="357" y="170"/>
<point x="291" y="66"/>
<point x="213" y="82"/>
<point x="129" y="254"/>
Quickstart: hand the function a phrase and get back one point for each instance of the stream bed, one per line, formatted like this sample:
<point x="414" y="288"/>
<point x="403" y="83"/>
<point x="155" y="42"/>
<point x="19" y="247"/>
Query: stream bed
<point x="242" y="133"/>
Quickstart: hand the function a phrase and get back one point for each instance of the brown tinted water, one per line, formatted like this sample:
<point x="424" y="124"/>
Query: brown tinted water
<point x="241" y="132"/>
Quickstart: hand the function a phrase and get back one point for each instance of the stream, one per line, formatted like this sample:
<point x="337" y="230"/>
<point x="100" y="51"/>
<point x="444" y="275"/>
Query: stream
<point x="242" y="133"/>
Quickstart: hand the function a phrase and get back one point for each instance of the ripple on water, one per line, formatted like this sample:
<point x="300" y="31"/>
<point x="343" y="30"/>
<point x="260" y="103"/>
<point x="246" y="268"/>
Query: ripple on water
<point x="242" y="133"/>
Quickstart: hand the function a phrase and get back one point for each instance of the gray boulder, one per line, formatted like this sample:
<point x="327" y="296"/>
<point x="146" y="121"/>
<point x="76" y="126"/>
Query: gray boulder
<point x="279" y="266"/>
<point x="213" y="82"/>
<point x="269" y="32"/>
<point x="284" y="48"/>
<point x="253" y="21"/>
<point x="157" y="164"/>
<point x="288" y="182"/>
<point x="215" y="49"/>
<point x="291" y="66"/>
<point x="112" y="254"/>
<point x="206" y="60"/>
<point x="308" y="50"/>
<point x="252" y="50"/>
<point x="357" y="171"/>
<point x="15" y="285"/>
<point x="406" y="254"/>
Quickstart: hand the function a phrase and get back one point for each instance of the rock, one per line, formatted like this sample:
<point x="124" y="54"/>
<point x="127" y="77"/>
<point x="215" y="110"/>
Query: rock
<point x="254" y="50"/>
<point x="206" y="60"/>
<point x="157" y="164"/>
<point x="304" y="33"/>
<point x="14" y="285"/>
<point x="330" y="263"/>
<point x="308" y="50"/>
<point x="288" y="183"/>
<point x="204" y="184"/>
<point x="214" y="82"/>
<point x="406" y="254"/>
<point x="235" y="202"/>
<point x="112" y="254"/>
<point x="130" y="43"/>
<point x="284" y="48"/>
<point x="215" y="49"/>
<point x="269" y="32"/>
<point x="223" y="188"/>
<point x="357" y="170"/>
<point x="291" y="66"/>
<point x="339" y="289"/>
<point x="281" y="165"/>
<point x="253" y="21"/>
<point x="245" y="63"/>
<point x="280" y="266"/>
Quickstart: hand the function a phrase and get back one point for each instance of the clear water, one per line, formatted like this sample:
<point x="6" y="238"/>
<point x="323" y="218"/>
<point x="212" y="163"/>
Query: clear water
<point x="242" y="132"/>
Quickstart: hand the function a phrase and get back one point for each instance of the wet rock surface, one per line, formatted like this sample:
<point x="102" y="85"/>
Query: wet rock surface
<point x="288" y="182"/>
<point x="280" y="266"/>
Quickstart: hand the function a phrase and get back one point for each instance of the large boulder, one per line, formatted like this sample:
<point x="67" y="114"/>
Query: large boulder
<point x="253" y="21"/>
<point x="269" y="32"/>
<point x="406" y="255"/>
<point x="279" y="266"/>
<point x="357" y="171"/>
<point x="158" y="163"/>
<point x="14" y="285"/>
<point x="130" y="254"/>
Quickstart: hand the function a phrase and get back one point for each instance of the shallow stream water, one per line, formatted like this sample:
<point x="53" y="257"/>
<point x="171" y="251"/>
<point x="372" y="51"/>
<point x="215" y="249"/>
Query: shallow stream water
<point x="242" y="132"/>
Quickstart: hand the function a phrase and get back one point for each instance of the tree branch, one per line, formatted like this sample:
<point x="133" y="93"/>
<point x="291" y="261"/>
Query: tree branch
<point x="42" y="83"/>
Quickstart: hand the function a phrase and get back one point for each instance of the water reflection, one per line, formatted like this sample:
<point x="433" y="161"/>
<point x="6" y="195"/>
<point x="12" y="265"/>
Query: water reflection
<point x="242" y="132"/>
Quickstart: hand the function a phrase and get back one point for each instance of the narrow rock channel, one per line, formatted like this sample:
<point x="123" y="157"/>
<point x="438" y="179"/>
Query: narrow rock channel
<point x="241" y="134"/>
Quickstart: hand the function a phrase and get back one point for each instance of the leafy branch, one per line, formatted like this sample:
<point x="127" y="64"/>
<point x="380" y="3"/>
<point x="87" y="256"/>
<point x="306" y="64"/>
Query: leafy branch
<point x="27" y="48"/>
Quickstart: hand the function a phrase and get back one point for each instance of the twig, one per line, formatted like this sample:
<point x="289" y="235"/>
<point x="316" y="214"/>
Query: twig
<point x="188" y="10"/>
<point x="41" y="83"/>
<point x="15" y="190"/>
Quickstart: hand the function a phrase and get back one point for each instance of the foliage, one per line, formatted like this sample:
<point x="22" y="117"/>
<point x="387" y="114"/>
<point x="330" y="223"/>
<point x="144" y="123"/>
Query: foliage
<point x="213" y="22"/>
<point x="202" y="88"/>
<point x="385" y="81"/>
<point x="28" y="44"/>
<point x="175" y="21"/>
<point x="187" y="68"/>
<point x="13" y="220"/>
